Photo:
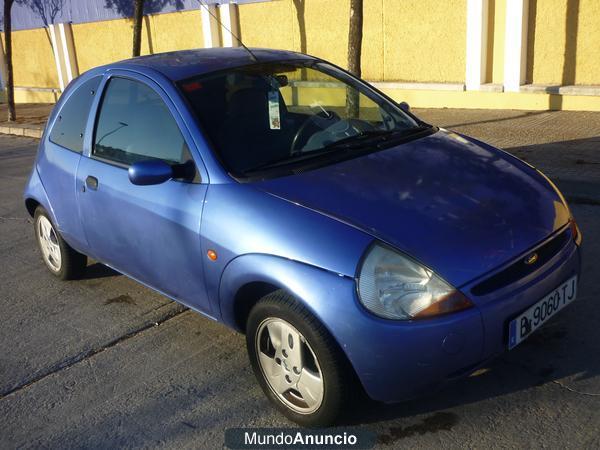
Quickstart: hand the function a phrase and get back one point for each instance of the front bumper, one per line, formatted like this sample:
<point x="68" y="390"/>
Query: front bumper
<point x="498" y="308"/>
<point x="396" y="361"/>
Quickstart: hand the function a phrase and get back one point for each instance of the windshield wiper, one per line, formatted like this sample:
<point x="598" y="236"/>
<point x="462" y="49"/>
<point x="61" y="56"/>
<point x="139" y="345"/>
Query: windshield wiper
<point x="368" y="136"/>
<point x="358" y="139"/>
<point x="356" y="142"/>
<point x="288" y="160"/>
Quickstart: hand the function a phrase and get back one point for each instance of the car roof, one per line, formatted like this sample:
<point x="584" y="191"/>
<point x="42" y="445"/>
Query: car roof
<point x="182" y="64"/>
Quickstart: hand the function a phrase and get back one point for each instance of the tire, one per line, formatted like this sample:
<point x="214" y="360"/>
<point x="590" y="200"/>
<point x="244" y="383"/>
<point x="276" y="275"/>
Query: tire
<point x="275" y="358"/>
<point x="61" y="260"/>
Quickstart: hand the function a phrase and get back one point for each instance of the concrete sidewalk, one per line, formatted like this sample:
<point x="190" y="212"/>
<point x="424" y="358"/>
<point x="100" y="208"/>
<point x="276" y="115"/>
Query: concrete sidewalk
<point x="31" y="119"/>
<point x="563" y="144"/>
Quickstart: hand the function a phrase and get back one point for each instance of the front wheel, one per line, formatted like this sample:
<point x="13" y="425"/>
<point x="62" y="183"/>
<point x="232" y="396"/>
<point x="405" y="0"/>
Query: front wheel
<point x="297" y="363"/>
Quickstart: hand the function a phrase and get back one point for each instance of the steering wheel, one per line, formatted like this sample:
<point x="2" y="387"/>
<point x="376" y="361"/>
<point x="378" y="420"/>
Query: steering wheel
<point x="322" y="116"/>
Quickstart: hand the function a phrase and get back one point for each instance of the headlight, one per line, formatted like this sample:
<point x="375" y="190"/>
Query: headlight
<point x="394" y="286"/>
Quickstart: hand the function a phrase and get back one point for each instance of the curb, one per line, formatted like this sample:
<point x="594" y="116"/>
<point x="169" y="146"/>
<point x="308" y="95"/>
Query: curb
<point x="34" y="131"/>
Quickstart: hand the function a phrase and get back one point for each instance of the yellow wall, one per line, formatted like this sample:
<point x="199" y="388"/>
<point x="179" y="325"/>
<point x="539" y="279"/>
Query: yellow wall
<point x="28" y="96"/>
<point x="403" y="40"/>
<point x="425" y="40"/>
<point x="373" y="41"/>
<point x="564" y="42"/>
<point x="400" y="42"/>
<point x="33" y="60"/>
<point x="547" y="34"/>
<point x="174" y="31"/>
<point x="587" y="66"/>
<point x="98" y="43"/>
<point x="327" y="29"/>
<point x="494" y="100"/>
<point x="269" y="25"/>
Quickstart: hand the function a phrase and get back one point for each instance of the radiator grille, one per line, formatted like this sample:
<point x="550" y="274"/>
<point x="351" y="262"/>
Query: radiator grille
<point x="520" y="269"/>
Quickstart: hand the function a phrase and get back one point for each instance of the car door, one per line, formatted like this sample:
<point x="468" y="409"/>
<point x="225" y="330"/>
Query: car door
<point x="62" y="147"/>
<point x="150" y="233"/>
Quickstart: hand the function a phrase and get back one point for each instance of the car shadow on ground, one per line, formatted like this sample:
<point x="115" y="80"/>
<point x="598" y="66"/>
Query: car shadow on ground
<point x="97" y="270"/>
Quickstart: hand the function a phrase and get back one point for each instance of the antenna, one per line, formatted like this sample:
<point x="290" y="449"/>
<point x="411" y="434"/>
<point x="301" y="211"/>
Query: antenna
<point x="205" y="6"/>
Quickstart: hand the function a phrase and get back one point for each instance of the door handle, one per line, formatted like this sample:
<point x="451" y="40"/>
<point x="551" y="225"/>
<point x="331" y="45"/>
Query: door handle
<point x="92" y="182"/>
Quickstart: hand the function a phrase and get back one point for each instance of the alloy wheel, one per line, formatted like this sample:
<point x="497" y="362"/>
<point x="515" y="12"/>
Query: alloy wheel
<point x="49" y="245"/>
<point x="289" y="365"/>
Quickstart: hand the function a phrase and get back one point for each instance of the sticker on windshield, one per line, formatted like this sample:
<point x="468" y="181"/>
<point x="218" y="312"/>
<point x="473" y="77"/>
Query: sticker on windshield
<point x="274" y="120"/>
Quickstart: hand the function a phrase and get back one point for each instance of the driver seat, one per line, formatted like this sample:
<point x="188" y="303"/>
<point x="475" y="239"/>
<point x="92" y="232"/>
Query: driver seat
<point x="245" y="136"/>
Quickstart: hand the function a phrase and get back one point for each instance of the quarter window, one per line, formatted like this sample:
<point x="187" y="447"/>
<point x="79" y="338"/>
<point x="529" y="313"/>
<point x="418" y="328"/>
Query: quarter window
<point x="135" y="124"/>
<point x="69" y="126"/>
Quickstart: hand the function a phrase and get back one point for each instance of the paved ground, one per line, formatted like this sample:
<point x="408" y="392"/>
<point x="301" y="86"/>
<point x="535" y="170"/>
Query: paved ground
<point x="565" y="144"/>
<point x="104" y="362"/>
<point x="28" y="113"/>
<point x="30" y="122"/>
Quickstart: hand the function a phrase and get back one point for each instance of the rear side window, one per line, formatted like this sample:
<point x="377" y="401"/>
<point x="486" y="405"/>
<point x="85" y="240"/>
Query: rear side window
<point x="134" y="124"/>
<point x="69" y="126"/>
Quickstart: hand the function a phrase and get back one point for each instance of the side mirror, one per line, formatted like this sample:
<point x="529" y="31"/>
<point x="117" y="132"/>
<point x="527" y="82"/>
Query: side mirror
<point x="144" y="173"/>
<point x="404" y="106"/>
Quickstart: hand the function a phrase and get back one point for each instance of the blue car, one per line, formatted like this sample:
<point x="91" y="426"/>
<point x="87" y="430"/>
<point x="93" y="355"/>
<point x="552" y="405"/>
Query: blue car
<point x="356" y="246"/>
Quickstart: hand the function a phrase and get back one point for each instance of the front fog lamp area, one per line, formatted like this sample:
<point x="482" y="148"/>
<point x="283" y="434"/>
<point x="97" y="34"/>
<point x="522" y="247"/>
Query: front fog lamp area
<point x="393" y="286"/>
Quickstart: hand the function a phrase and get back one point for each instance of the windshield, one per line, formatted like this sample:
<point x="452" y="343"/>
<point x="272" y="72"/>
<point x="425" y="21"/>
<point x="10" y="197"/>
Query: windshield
<point x="269" y="116"/>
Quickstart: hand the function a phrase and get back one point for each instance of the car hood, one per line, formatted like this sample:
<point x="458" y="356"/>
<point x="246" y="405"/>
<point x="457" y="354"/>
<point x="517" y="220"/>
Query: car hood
<point x="458" y="207"/>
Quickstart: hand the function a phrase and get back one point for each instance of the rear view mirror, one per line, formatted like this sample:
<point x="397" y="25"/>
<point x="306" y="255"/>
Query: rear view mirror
<point x="144" y="173"/>
<point x="282" y="80"/>
<point x="404" y="106"/>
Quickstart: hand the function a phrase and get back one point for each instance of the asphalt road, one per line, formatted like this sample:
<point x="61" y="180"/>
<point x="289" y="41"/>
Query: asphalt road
<point x="105" y="362"/>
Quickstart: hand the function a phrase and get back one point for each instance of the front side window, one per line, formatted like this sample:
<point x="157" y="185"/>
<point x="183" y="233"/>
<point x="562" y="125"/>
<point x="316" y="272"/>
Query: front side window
<point x="273" y="116"/>
<point x="69" y="126"/>
<point x="134" y="124"/>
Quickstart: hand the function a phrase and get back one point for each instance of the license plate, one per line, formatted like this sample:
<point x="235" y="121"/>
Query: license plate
<point x="521" y="327"/>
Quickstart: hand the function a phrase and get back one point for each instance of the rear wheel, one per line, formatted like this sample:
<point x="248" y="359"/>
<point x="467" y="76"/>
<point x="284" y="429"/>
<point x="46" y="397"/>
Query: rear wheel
<point x="297" y="363"/>
<point x="61" y="260"/>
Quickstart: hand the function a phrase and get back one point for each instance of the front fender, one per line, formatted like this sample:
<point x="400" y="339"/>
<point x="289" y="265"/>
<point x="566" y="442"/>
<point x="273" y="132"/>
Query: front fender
<point x="394" y="360"/>
<point x="309" y="284"/>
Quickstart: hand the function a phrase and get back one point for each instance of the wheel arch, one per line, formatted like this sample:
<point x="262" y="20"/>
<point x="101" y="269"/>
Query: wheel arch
<point x="246" y="297"/>
<point x="323" y="293"/>
<point x="248" y="278"/>
<point x="31" y="205"/>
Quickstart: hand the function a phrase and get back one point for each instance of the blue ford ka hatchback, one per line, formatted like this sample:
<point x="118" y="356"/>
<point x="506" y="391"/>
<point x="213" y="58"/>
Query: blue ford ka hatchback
<point x="356" y="246"/>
